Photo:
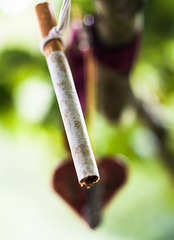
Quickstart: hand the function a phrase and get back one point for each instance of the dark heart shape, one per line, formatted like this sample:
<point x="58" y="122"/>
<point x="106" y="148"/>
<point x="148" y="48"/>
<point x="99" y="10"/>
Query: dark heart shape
<point x="89" y="203"/>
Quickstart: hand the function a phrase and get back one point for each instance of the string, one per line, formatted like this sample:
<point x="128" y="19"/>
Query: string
<point x="57" y="31"/>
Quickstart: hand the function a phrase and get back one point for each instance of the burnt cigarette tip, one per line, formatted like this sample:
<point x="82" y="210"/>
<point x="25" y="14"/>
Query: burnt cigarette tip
<point x="89" y="181"/>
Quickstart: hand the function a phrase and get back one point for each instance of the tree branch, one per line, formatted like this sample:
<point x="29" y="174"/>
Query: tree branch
<point x="115" y="20"/>
<point x="115" y="28"/>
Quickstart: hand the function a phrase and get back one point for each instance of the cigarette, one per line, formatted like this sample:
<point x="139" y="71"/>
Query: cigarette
<point x="71" y="112"/>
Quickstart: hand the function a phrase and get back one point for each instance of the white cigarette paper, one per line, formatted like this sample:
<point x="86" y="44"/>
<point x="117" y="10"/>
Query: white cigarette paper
<point x="73" y="119"/>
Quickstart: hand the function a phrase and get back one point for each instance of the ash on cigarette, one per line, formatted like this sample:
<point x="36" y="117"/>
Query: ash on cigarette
<point x="89" y="181"/>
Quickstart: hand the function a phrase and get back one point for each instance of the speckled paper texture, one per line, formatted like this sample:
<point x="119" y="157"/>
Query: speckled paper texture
<point x="72" y="116"/>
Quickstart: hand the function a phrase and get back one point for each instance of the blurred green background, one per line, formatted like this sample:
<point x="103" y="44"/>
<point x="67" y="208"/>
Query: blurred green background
<point x="31" y="139"/>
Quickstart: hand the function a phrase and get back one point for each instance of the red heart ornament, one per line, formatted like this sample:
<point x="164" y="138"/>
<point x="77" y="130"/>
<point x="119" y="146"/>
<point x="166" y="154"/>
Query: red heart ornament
<point x="89" y="203"/>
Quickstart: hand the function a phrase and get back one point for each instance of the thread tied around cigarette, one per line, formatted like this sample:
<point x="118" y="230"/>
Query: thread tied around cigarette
<point x="57" y="31"/>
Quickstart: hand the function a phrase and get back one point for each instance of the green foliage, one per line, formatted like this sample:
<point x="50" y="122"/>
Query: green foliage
<point x="145" y="208"/>
<point x="85" y="6"/>
<point x="16" y="66"/>
<point x="159" y="18"/>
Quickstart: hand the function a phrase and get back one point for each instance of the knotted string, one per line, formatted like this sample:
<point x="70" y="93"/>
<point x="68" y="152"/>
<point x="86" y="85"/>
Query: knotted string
<point x="63" y="22"/>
